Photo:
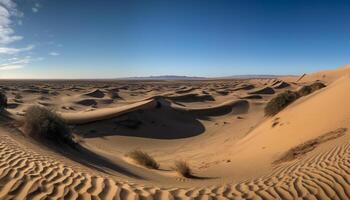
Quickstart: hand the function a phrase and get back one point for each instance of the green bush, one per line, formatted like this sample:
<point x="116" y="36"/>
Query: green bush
<point x="143" y="159"/>
<point x="279" y="102"/>
<point x="44" y="124"/>
<point x="3" y="101"/>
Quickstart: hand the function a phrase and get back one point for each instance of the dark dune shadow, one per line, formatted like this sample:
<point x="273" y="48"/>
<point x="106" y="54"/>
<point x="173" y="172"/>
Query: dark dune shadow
<point x="202" y="177"/>
<point x="162" y="122"/>
<point x="192" y="98"/>
<point x="239" y="107"/>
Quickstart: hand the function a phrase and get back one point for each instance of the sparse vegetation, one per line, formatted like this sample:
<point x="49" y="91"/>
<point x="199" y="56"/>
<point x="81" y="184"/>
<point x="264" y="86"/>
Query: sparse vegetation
<point x="183" y="168"/>
<point x="279" y="102"/>
<point x="44" y="124"/>
<point x="283" y="99"/>
<point x="308" y="89"/>
<point x="18" y="96"/>
<point x="114" y="95"/>
<point x="3" y="101"/>
<point x="143" y="159"/>
<point x="310" y="145"/>
<point x="305" y="90"/>
<point x="316" y="86"/>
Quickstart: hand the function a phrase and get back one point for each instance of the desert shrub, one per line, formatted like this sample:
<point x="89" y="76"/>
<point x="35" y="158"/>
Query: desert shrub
<point x="114" y="95"/>
<point x="183" y="168"/>
<point x="44" y="124"/>
<point x="304" y="90"/>
<point x="143" y="159"/>
<point x="316" y="86"/>
<point x="279" y="102"/>
<point x="308" y="89"/>
<point x="3" y="101"/>
<point x="18" y="96"/>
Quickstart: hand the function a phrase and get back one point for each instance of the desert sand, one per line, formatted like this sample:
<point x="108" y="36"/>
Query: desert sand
<point x="217" y="126"/>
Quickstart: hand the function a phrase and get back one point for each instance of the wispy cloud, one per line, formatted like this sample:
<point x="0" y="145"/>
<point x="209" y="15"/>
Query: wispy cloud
<point x="35" y="10"/>
<point x="14" y="63"/>
<point x="17" y="63"/>
<point x="7" y="10"/>
<point x="9" y="50"/>
<point x="54" y="54"/>
<point x="36" y="7"/>
<point x="10" y="57"/>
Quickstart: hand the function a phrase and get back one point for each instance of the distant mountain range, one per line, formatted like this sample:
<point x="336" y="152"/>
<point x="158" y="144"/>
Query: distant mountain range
<point x="173" y="77"/>
<point x="166" y="77"/>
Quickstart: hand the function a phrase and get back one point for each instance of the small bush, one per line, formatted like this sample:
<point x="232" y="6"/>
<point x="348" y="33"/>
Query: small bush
<point x="18" y="96"/>
<point x="143" y="159"/>
<point x="42" y="123"/>
<point x="3" y="101"/>
<point x="308" y="89"/>
<point x="282" y="100"/>
<point x="316" y="86"/>
<point x="279" y="102"/>
<point x="183" y="169"/>
<point x="114" y="95"/>
<point x="304" y="90"/>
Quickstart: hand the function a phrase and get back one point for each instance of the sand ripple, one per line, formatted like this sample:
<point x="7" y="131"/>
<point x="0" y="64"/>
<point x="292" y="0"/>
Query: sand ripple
<point x="25" y="174"/>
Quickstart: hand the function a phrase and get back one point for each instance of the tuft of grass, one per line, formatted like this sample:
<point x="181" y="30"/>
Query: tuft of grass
<point x="183" y="168"/>
<point x="44" y="124"/>
<point x="3" y="101"/>
<point x="279" y="102"/>
<point x="143" y="158"/>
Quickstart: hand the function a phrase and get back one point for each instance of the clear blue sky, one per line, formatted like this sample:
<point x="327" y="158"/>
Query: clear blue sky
<point x="106" y="39"/>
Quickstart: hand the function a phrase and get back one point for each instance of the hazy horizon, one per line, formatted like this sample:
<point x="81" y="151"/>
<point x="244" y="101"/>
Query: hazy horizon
<point x="41" y="39"/>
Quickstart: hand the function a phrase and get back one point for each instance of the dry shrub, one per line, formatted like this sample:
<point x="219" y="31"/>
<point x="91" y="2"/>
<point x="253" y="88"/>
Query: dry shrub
<point x="308" y="89"/>
<point x="114" y="95"/>
<point x="279" y="102"/>
<point x="3" y="101"/>
<point x="283" y="99"/>
<point x="44" y="124"/>
<point x="183" y="168"/>
<point x="316" y="86"/>
<point x="143" y="159"/>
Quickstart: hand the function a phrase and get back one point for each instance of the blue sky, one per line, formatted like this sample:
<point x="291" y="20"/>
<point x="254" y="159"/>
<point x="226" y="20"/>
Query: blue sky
<point x="107" y="39"/>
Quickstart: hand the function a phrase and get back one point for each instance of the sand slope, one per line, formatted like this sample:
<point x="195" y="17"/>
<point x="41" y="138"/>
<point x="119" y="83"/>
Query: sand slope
<point x="26" y="174"/>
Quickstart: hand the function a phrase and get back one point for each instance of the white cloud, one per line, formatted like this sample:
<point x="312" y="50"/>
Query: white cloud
<point x="35" y="10"/>
<point x="17" y="63"/>
<point x="54" y="54"/>
<point x="9" y="50"/>
<point x="11" y="67"/>
<point x="14" y="64"/>
<point x="36" y="7"/>
<point x="8" y="9"/>
<point x="10" y="16"/>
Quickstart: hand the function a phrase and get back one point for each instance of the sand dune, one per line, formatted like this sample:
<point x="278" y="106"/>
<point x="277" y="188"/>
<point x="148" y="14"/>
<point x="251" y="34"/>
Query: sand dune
<point x="234" y="150"/>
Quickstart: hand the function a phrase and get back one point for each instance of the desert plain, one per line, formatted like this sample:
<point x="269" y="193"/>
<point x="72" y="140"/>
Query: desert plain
<point x="219" y="127"/>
